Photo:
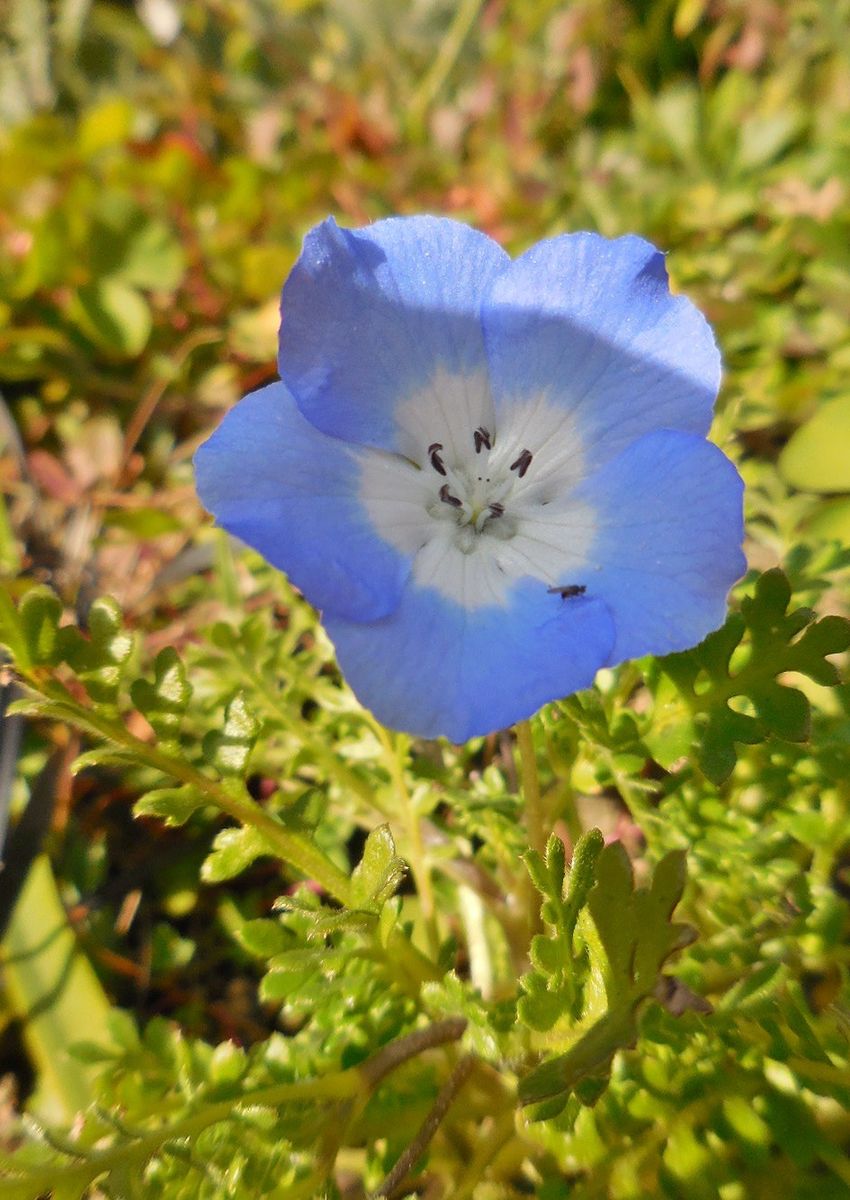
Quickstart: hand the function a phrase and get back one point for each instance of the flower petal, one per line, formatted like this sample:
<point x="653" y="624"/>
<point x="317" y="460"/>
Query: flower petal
<point x="432" y="668"/>
<point x="289" y="491"/>
<point x="375" y="317"/>
<point x="589" y="325"/>
<point x="668" y="531"/>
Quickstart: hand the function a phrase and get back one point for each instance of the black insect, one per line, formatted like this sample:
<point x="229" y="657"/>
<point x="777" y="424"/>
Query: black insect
<point x="573" y="589"/>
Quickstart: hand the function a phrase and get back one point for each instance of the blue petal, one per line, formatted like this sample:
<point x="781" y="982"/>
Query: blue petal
<point x="370" y="316"/>
<point x="669" y="527"/>
<point x="589" y="324"/>
<point x="289" y="491"/>
<point x="432" y="668"/>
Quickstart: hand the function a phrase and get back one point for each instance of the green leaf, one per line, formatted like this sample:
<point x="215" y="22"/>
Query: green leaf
<point x="101" y="659"/>
<point x="173" y="805"/>
<point x="229" y="750"/>
<point x="113" y="315"/>
<point x="164" y="701"/>
<point x="39" y="613"/>
<point x="830" y="521"/>
<point x="784" y="710"/>
<point x="262" y="937"/>
<point x="816" y="458"/>
<point x="153" y="258"/>
<point x="775" y="640"/>
<point x="12" y="633"/>
<point x="52" y="988"/>
<point x="582" y="876"/>
<point x="635" y="937"/>
<point x="378" y="874"/>
<point x="233" y="852"/>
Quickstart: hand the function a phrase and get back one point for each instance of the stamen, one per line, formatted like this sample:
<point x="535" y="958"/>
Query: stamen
<point x="497" y="510"/>
<point x="573" y="589"/>
<point x="448" y="498"/>
<point x="434" y="454"/>
<point x="482" y="438"/>
<point x="522" y="463"/>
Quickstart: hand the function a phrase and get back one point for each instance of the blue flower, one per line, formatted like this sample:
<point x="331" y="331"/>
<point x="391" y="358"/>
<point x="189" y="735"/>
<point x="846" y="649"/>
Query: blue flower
<point x="491" y="475"/>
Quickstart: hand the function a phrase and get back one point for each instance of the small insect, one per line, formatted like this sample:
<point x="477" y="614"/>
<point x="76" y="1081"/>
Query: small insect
<point x="436" y="461"/>
<point x="573" y="589"/>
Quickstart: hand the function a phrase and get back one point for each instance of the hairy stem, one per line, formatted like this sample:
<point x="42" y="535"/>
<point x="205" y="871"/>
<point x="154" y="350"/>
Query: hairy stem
<point x="291" y="846"/>
<point x="394" y="754"/>
<point x="348" y="1088"/>
<point x="534" y="816"/>
<point x="428" y="1128"/>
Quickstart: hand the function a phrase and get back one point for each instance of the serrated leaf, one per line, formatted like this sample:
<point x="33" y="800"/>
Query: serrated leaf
<point x="174" y="805"/>
<point x="228" y="1064"/>
<point x="611" y="906"/>
<point x="657" y="938"/>
<point x="11" y="632"/>
<point x="591" y="1054"/>
<point x="379" y="873"/>
<point x="230" y="749"/>
<point x="233" y="852"/>
<point x="779" y="641"/>
<point x="635" y="937"/>
<point x="39" y="613"/>
<point x="556" y="864"/>
<point x="540" y="1010"/>
<point x="164" y="701"/>
<point x="785" y="711"/>
<point x="536" y="868"/>
<point x="582" y="877"/>
<point x="547" y="954"/>
<point x="262" y="937"/>
<point x="103" y="756"/>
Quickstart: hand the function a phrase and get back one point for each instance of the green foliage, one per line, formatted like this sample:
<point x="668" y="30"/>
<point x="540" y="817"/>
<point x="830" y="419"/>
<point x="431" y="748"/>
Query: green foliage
<point x="314" y="923"/>
<point x="627" y="941"/>
<point x="777" y="642"/>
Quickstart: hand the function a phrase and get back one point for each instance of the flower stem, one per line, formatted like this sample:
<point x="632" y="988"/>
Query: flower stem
<point x="535" y="823"/>
<point x="394" y="754"/>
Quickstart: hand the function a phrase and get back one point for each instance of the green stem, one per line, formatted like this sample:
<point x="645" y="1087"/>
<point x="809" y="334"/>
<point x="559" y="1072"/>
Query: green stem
<point x="299" y="728"/>
<point x="452" y="44"/>
<point x="351" y="1086"/>
<point x="292" y="847"/>
<point x="394" y="755"/>
<point x="535" y="821"/>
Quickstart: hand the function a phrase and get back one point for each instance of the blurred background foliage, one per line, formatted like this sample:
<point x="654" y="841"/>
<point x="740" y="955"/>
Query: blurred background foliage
<point x="159" y="165"/>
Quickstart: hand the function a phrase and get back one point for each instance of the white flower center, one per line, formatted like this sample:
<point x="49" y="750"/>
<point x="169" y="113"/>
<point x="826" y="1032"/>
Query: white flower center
<point x="482" y="500"/>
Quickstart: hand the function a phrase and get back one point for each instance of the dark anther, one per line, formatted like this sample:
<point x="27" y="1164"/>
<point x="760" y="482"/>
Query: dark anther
<point x="448" y="498"/>
<point x="522" y="463"/>
<point x="574" y="589"/>
<point x="434" y="454"/>
<point x="497" y="510"/>
<point x="482" y="438"/>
